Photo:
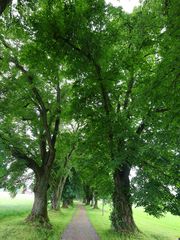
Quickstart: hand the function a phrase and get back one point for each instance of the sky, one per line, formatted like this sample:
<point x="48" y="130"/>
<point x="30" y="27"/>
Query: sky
<point x="127" y="5"/>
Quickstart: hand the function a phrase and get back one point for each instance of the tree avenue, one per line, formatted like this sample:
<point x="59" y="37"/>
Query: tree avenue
<point x="122" y="91"/>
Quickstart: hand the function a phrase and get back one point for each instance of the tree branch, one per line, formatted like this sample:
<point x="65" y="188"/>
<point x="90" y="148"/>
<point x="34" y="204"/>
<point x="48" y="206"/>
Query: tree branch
<point x="162" y="110"/>
<point x="41" y="105"/>
<point x="19" y="154"/>
<point x="69" y="155"/>
<point x="106" y="100"/>
<point x="142" y="125"/>
<point x="140" y="128"/>
<point x="128" y="92"/>
<point x="29" y="161"/>
<point x="159" y="170"/>
<point x="42" y="146"/>
<point x="57" y="121"/>
<point x="57" y="36"/>
<point x="3" y="5"/>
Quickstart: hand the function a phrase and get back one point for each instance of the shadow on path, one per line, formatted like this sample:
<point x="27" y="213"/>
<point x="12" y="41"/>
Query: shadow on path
<point x="80" y="227"/>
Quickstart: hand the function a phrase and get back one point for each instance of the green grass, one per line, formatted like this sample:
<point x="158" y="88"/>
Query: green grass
<point x="18" y="206"/>
<point x="13" y="227"/>
<point x="166" y="228"/>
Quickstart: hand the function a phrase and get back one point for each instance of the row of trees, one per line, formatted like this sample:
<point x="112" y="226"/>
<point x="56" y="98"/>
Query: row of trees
<point x="91" y="91"/>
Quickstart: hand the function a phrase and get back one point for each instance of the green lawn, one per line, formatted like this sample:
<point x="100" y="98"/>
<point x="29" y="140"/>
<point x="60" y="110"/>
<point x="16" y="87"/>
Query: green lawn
<point x="12" y="224"/>
<point x="14" y="211"/>
<point x="166" y="228"/>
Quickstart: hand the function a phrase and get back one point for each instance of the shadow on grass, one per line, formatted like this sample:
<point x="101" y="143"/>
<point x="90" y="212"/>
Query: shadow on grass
<point x="158" y="237"/>
<point x="111" y="235"/>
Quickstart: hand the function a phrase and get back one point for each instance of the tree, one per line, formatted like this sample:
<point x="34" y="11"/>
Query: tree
<point x="92" y="167"/>
<point x="30" y="108"/>
<point x="71" y="189"/>
<point x="116" y="63"/>
<point x="113" y="59"/>
<point x="67" y="146"/>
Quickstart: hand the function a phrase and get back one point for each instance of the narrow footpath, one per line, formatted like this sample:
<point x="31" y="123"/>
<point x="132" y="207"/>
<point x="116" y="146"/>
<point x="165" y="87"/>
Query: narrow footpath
<point x="80" y="227"/>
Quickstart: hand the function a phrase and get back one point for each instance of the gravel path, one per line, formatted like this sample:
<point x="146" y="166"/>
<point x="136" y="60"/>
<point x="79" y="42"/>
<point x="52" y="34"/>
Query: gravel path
<point x="80" y="227"/>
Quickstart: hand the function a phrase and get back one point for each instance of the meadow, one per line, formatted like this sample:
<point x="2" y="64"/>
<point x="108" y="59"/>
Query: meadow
<point x="164" y="228"/>
<point x="13" y="212"/>
<point x="12" y="220"/>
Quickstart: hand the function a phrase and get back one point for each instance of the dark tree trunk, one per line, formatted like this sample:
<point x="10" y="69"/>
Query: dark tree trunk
<point x="39" y="210"/>
<point x="88" y="194"/>
<point x="88" y="200"/>
<point x="65" y="204"/>
<point x="121" y="216"/>
<point x="3" y="5"/>
<point x="55" y="204"/>
<point x="95" y="203"/>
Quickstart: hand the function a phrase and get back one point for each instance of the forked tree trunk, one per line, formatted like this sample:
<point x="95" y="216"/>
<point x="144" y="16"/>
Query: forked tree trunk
<point x="39" y="210"/>
<point x="121" y="216"/>
<point x="57" y="194"/>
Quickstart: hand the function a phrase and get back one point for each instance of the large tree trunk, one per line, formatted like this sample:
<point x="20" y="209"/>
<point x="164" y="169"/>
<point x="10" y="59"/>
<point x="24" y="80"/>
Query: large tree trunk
<point x="39" y="210"/>
<point x="121" y="216"/>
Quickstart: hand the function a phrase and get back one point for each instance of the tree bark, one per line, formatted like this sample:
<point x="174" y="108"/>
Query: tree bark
<point x="57" y="195"/>
<point x="39" y="212"/>
<point x="3" y="5"/>
<point x="121" y="216"/>
<point x="95" y="202"/>
<point x="54" y="202"/>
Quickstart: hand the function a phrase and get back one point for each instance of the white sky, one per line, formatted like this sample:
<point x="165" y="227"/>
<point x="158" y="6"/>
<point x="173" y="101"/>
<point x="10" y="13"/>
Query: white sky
<point x="127" y="5"/>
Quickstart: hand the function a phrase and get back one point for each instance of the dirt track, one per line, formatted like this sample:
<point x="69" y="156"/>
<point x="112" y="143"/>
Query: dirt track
<point x="80" y="227"/>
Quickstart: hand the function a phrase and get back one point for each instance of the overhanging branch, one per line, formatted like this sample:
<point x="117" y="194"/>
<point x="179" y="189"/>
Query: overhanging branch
<point x="19" y="154"/>
<point x="57" y="121"/>
<point x="128" y="92"/>
<point x="41" y="106"/>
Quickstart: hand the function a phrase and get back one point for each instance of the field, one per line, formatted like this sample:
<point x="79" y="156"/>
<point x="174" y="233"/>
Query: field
<point x="14" y="211"/>
<point x="12" y="224"/>
<point x="165" y="228"/>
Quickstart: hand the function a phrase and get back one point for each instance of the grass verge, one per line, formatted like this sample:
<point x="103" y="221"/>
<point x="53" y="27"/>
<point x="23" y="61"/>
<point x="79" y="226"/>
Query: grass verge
<point x="13" y="227"/>
<point x="165" y="228"/>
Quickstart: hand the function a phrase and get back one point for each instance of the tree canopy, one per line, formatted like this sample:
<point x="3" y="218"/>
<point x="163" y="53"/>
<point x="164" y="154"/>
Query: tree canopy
<point x="115" y="75"/>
